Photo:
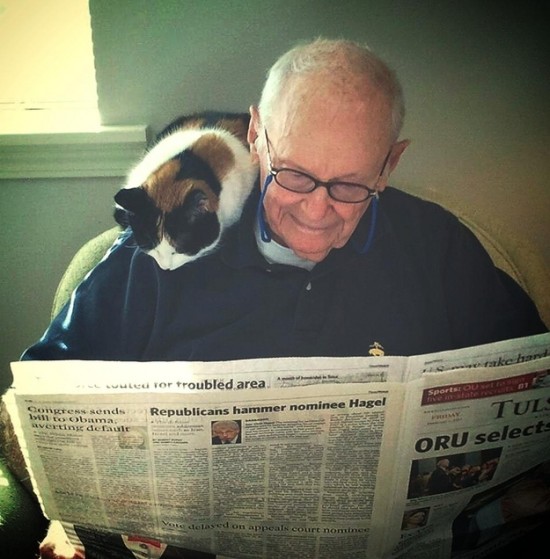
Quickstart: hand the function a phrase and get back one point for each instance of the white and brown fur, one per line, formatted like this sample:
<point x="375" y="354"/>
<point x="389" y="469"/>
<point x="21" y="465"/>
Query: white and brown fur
<point x="188" y="188"/>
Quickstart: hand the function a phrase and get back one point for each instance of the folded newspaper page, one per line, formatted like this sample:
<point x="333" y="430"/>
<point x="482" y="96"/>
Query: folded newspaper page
<point x="376" y="457"/>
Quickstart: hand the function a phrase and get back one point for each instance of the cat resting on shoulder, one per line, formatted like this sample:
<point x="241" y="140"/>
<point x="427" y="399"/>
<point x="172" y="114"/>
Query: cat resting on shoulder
<point x="189" y="187"/>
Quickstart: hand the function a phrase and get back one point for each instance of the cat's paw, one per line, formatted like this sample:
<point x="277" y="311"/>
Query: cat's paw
<point x="56" y="544"/>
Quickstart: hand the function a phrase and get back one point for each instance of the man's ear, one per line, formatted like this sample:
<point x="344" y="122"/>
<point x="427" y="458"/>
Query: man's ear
<point x="253" y="129"/>
<point x="395" y="155"/>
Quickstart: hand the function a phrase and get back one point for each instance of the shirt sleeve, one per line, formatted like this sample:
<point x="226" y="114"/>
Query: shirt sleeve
<point x="107" y="315"/>
<point x="485" y="304"/>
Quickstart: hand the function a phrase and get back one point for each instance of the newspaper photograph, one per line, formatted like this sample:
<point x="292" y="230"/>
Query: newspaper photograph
<point x="371" y="457"/>
<point x="477" y="460"/>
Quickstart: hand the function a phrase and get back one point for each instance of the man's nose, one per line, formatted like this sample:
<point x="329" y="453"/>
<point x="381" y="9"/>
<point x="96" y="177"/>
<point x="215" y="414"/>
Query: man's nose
<point x="317" y="203"/>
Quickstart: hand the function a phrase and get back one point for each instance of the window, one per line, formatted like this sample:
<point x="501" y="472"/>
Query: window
<point x="46" y="67"/>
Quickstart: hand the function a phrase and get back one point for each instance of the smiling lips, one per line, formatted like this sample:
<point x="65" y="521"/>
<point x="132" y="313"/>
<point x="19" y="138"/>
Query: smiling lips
<point x="314" y="228"/>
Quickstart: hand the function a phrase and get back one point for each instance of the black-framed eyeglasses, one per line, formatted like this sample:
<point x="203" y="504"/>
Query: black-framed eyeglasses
<point x="302" y="183"/>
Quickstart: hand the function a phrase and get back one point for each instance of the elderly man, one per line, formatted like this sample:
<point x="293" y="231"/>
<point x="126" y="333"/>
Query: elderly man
<point x="326" y="259"/>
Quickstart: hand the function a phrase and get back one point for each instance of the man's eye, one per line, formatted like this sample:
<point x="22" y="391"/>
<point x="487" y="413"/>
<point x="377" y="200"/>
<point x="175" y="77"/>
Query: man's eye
<point x="346" y="186"/>
<point x="294" y="178"/>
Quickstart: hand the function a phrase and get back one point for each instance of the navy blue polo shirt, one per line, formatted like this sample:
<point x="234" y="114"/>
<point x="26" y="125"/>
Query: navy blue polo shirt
<point x="425" y="285"/>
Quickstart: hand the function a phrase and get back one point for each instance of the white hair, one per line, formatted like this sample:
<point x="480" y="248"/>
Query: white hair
<point x="336" y="58"/>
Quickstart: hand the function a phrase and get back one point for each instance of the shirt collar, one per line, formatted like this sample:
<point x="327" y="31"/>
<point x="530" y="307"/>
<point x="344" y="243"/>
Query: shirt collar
<point x="275" y="253"/>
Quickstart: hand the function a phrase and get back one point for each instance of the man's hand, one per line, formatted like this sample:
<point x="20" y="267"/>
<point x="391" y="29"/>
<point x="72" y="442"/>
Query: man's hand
<point x="56" y="544"/>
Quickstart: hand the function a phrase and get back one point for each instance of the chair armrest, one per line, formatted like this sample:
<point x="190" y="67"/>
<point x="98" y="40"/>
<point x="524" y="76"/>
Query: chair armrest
<point x="87" y="257"/>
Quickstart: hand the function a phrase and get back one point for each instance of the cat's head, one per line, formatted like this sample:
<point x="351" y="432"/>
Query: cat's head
<point x="185" y="191"/>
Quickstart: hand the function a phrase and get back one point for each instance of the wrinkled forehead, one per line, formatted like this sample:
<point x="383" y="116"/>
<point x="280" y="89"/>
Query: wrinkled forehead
<point x="333" y="111"/>
<point x="330" y="131"/>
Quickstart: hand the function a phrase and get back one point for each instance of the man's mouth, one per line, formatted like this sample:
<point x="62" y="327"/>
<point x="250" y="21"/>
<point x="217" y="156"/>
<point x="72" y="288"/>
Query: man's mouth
<point x="311" y="228"/>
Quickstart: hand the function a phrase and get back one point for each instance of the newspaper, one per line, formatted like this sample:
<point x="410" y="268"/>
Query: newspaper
<point x="375" y="457"/>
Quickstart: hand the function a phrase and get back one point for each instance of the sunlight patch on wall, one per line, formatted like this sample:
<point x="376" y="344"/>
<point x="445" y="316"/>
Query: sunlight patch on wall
<point x="46" y="67"/>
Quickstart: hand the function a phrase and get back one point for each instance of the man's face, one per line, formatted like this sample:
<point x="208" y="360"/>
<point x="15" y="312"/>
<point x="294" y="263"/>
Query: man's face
<point x="226" y="434"/>
<point x="311" y="133"/>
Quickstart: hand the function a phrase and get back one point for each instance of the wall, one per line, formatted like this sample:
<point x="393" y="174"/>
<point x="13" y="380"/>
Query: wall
<point x="474" y="75"/>
<point x="56" y="192"/>
<point x="44" y="221"/>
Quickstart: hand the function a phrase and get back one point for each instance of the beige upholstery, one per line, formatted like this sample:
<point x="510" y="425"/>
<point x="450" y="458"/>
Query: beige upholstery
<point x="511" y="252"/>
<point x="83" y="261"/>
<point x="516" y="256"/>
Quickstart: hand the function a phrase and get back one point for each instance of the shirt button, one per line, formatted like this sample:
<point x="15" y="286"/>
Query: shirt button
<point x="308" y="287"/>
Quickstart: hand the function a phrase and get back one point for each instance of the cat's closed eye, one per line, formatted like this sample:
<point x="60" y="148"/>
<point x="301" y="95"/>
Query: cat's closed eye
<point x="192" y="226"/>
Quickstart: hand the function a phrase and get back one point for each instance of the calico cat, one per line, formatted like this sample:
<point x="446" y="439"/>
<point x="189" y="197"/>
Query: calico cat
<point x="189" y="187"/>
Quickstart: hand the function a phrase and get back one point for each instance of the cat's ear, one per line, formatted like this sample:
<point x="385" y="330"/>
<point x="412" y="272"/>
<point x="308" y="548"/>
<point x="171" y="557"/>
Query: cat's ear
<point x="122" y="217"/>
<point x="198" y="204"/>
<point x="131" y="202"/>
<point x="134" y="200"/>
